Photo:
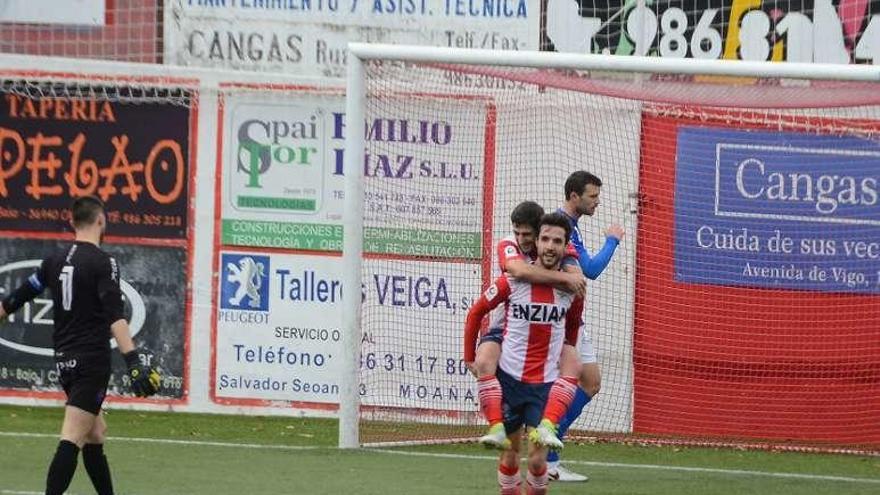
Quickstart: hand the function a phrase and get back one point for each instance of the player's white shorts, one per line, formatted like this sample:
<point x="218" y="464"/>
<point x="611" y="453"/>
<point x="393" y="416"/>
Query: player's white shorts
<point x="586" y="347"/>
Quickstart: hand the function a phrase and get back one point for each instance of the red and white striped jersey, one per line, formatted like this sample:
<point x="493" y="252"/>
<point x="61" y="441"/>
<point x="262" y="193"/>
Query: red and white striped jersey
<point x="508" y="250"/>
<point x="537" y="320"/>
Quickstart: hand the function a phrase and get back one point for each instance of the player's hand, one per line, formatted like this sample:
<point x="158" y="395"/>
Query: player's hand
<point x="472" y="368"/>
<point x="576" y="283"/>
<point x="615" y="231"/>
<point x="143" y="380"/>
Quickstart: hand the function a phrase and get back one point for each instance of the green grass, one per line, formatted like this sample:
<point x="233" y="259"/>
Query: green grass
<point x="307" y="462"/>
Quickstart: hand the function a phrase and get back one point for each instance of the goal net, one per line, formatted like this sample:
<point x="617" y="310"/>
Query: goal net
<point x="741" y="305"/>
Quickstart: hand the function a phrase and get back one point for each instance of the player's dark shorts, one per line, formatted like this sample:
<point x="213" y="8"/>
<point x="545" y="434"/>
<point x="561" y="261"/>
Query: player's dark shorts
<point x="493" y="335"/>
<point x="84" y="380"/>
<point x="522" y="403"/>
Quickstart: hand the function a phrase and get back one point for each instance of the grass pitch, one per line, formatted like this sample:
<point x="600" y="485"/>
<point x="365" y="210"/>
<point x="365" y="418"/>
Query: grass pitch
<point x="176" y="453"/>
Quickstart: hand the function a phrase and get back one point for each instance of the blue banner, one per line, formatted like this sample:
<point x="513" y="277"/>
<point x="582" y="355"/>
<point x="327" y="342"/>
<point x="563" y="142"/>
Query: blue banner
<point x="777" y="210"/>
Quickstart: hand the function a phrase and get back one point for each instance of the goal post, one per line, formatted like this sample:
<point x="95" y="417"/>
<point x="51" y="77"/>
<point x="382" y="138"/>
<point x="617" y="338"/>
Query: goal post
<point x="352" y="249"/>
<point x="695" y="304"/>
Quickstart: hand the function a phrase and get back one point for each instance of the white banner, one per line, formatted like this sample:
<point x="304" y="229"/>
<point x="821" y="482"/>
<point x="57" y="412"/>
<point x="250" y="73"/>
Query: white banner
<point x="278" y="327"/>
<point x="76" y="12"/>
<point x="280" y="170"/>
<point x="414" y="315"/>
<point x="283" y="173"/>
<point x="309" y="38"/>
<point x="279" y="330"/>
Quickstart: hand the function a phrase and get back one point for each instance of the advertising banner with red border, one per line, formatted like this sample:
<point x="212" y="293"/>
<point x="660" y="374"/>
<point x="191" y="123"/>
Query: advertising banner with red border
<point x="279" y="231"/>
<point x="132" y="145"/>
<point x="124" y="145"/>
<point x="153" y="283"/>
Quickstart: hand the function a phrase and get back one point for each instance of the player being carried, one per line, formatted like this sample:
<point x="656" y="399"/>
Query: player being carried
<point x="516" y="255"/>
<point x="538" y="322"/>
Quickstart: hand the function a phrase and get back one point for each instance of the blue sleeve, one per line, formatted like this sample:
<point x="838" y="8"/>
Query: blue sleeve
<point x="595" y="265"/>
<point x="27" y="291"/>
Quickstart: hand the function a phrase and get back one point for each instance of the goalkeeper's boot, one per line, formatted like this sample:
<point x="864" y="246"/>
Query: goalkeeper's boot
<point x="545" y="435"/>
<point x="495" y="438"/>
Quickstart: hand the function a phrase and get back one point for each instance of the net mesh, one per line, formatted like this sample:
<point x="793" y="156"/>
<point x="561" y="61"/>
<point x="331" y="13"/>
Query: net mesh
<point x="750" y="312"/>
<point x="131" y="92"/>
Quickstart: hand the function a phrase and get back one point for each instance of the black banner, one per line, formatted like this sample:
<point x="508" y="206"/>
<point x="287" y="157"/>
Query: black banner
<point x="128" y="146"/>
<point x="154" y="287"/>
<point x="845" y="31"/>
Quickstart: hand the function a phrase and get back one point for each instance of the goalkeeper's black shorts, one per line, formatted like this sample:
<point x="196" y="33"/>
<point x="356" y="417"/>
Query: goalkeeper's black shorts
<point x="84" y="380"/>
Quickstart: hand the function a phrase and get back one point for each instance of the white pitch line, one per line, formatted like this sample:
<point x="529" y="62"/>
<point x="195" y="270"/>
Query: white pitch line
<point x="205" y="443"/>
<point x="659" y="467"/>
<point x="621" y="465"/>
<point x="24" y="492"/>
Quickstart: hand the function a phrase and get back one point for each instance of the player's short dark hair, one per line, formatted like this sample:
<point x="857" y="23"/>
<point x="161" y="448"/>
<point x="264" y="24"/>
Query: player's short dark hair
<point x="557" y="220"/>
<point x="85" y="210"/>
<point x="577" y="182"/>
<point x="527" y="213"/>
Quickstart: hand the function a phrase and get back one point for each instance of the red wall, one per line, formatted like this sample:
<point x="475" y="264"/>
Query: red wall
<point x="132" y="32"/>
<point x="730" y="362"/>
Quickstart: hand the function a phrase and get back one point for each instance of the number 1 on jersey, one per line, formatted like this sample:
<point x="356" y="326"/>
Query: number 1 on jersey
<point x="66" y="278"/>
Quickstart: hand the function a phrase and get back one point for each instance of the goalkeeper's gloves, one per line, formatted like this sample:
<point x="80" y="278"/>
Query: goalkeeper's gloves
<point x="143" y="380"/>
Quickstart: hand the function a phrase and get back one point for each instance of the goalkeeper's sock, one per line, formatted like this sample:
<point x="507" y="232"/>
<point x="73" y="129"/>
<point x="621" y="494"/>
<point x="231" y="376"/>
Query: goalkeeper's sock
<point x="580" y="401"/>
<point x="536" y="483"/>
<point x="508" y="479"/>
<point x="62" y="468"/>
<point x="560" y="398"/>
<point x="489" y="391"/>
<point x="96" y="465"/>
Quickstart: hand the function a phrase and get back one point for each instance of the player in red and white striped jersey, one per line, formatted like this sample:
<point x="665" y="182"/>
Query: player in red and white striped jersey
<point x="529" y="308"/>
<point x="538" y="321"/>
<point x="516" y="256"/>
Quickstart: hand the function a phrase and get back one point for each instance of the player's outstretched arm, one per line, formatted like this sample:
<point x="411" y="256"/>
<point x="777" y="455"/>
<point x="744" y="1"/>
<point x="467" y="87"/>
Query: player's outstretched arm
<point x="31" y="288"/>
<point x="144" y="380"/>
<point x="593" y="266"/>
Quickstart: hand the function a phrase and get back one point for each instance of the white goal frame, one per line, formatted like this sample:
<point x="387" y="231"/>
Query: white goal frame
<point x="353" y="221"/>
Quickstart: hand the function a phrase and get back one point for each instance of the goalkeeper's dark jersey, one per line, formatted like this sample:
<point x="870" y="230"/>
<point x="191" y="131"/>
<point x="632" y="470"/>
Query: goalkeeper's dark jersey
<point x="84" y="282"/>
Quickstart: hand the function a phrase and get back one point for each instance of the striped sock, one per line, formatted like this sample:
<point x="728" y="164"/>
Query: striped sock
<point x="581" y="399"/>
<point x="508" y="479"/>
<point x="560" y="397"/>
<point x="489" y="390"/>
<point x="536" y="483"/>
